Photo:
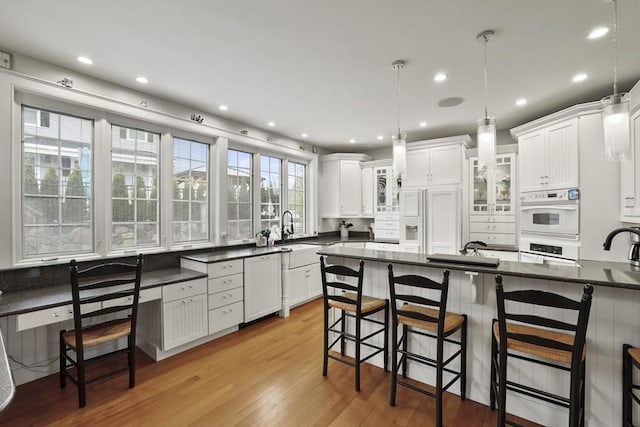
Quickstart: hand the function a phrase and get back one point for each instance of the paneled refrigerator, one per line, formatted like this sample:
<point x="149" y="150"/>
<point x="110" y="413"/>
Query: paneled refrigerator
<point x="430" y="221"/>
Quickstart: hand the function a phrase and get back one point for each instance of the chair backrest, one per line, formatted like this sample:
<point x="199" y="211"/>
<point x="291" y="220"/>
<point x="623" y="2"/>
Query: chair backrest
<point x="341" y="270"/>
<point x="105" y="289"/>
<point x="403" y="291"/>
<point x="535" y="299"/>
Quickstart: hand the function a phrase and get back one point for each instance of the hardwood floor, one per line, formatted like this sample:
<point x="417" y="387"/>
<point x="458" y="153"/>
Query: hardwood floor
<point x="269" y="373"/>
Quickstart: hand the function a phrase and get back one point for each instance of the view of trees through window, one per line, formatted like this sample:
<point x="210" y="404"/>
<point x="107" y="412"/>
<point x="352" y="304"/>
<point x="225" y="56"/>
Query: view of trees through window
<point x="239" y="195"/>
<point x="190" y="194"/>
<point x="296" y="194"/>
<point x="134" y="190"/>
<point x="56" y="187"/>
<point x="270" y="201"/>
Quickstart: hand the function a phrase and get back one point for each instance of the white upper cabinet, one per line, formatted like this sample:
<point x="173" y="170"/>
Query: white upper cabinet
<point x="435" y="162"/>
<point x="549" y="157"/>
<point x="341" y="185"/>
<point x="367" y="191"/>
<point x="630" y="169"/>
<point x="386" y="190"/>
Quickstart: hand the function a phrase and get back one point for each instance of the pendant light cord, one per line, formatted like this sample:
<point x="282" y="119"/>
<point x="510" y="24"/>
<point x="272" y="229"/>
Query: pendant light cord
<point x="615" y="47"/>
<point x="398" y="97"/>
<point x="486" y="84"/>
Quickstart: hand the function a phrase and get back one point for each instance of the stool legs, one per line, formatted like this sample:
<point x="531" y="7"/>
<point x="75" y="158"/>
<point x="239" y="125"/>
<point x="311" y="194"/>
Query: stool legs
<point x="394" y="364"/>
<point x="463" y="360"/>
<point x="63" y="362"/>
<point x="502" y="382"/>
<point x="386" y="337"/>
<point x="357" y="361"/>
<point x="494" y="373"/>
<point x="325" y="353"/>
<point x="627" y="380"/>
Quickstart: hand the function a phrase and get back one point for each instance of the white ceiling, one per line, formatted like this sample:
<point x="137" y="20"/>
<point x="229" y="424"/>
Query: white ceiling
<point x="324" y="67"/>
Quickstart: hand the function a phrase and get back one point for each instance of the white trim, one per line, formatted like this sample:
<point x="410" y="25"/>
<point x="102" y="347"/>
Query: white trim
<point x="465" y="140"/>
<point x="568" y="113"/>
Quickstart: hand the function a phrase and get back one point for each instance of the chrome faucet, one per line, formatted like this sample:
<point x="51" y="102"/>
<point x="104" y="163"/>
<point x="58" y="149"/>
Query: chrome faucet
<point x="473" y="245"/>
<point x="284" y="232"/>
<point x="634" y="250"/>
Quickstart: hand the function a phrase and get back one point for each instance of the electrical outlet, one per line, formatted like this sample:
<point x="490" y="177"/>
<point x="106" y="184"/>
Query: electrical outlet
<point x="5" y="60"/>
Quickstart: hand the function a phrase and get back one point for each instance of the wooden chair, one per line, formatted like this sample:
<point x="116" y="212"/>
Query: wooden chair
<point x="426" y="317"/>
<point x="559" y="344"/>
<point x="107" y="290"/>
<point x="630" y="359"/>
<point x="352" y="304"/>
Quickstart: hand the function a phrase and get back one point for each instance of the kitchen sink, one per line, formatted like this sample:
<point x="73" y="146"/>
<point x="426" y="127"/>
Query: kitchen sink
<point x="301" y="254"/>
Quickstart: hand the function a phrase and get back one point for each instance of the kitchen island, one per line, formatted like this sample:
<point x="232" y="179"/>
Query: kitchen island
<point x="613" y="321"/>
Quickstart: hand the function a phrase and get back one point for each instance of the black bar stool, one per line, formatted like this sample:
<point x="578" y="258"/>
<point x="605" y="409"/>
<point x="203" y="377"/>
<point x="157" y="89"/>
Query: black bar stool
<point x="630" y="359"/>
<point x="352" y="304"/>
<point x="549" y="342"/>
<point x="425" y="317"/>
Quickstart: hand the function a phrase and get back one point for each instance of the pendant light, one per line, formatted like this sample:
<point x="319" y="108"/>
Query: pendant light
<point x="615" y="111"/>
<point x="486" y="125"/>
<point x="399" y="139"/>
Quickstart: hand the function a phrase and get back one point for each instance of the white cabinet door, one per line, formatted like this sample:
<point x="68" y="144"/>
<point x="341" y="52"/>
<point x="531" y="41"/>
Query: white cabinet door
<point x="417" y="168"/>
<point x="531" y="148"/>
<point x="629" y="186"/>
<point x="562" y="155"/>
<point x="184" y="320"/>
<point x="444" y="221"/>
<point x="297" y="284"/>
<point x="367" y="191"/>
<point x="262" y="285"/>
<point x="349" y="189"/>
<point x="313" y="279"/>
<point x="445" y="165"/>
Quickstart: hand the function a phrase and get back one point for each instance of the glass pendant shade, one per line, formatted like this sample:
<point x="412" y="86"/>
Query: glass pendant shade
<point x="399" y="154"/>
<point x="615" y="121"/>
<point x="486" y="144"/>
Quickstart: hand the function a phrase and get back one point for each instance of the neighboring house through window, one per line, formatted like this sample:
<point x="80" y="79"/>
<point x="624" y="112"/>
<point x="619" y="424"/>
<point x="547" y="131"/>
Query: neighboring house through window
<point x="296" y="195"/>
<point x="239" y="195"/>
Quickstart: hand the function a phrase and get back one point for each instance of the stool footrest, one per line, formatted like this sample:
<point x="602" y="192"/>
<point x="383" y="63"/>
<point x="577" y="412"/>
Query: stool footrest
<point x="539" y="394"/>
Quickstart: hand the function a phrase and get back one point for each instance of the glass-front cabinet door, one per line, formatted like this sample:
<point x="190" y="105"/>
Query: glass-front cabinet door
<point x="387" y="190"/>
<point x="480" y="198"/>
<point x="502" y="181"/>
<point x="492" y="193"/>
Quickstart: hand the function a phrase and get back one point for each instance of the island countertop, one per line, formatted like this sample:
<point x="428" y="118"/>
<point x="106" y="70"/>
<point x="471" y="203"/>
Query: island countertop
<point x="598" y="273"/>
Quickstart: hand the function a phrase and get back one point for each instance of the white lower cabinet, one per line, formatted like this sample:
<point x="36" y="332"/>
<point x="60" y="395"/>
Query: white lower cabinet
<point x="304" y="283"/>
<point x="184" y="313"/>
<point x="262" y="286"/>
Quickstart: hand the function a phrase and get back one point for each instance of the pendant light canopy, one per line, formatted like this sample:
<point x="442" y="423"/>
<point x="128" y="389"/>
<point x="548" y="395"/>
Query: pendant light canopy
<point x="399" y="138"/>
<point x="486" y="125"/>
<point x="615" y="111"/>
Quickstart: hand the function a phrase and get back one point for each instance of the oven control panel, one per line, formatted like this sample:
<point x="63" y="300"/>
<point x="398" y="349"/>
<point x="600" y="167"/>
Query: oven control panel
<point x="557" y="196"/>
<point x="548" y="249"/>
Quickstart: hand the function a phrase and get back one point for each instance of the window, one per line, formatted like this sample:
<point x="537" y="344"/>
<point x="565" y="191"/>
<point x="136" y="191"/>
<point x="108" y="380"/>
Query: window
<point x="239" y="195"/>
<point x="134" y="188"/>
<point x="270" y="184"/>
<point x="190" y="191"/>
<point x="56" y="184"/>
<point x="297" y="194"/>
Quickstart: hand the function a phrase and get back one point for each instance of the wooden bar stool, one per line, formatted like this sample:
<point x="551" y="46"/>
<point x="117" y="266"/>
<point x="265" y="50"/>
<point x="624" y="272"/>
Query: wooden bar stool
<point x="425" y="317"/>
<point x="352" y="304"/>
<point x="554" y="343"/>
<point x="630" y="359"/>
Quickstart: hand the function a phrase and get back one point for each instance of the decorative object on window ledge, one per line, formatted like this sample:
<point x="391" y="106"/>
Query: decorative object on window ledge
<point x="143" y="103"/>
<point x="399" y="139"/>
<point x="486" y="125"/>
<point x="615" y="111"/>
<point x="197" y="118"/>
<point x="66" y="82"/>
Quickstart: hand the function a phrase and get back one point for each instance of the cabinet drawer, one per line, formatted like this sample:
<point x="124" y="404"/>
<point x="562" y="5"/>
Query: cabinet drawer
<point x="184" y="289"/>
<point x="220" y="284"/>
<point x="492" y="227"/>
<point x="225" y="317"/>
<point x="225" y="298"/>
<point x="494" y="239"/>
<point x="224" y="268"/>
<point x="49" y="316"/>
<point x="492" y="218"/>
<point x="388" y="234"/>
<point x="387" y="217"/>
<point x="387" y="225"/>
<point x="145" y="296"/>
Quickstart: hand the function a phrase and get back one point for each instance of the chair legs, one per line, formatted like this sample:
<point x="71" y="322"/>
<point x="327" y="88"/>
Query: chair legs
<point x="63" y="361"/>
<point x="325" y="354"/>
<point x="394" y="363"/>
<point x="132" y="361"/>
<point x="627" y="387"/>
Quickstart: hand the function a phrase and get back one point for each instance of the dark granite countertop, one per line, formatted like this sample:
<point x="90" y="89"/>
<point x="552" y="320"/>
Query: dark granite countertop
<point x="55" y="296"/>
<point x="240" y="253"/>
<point x="7" y="387"/>
<point x="598" y="273"/>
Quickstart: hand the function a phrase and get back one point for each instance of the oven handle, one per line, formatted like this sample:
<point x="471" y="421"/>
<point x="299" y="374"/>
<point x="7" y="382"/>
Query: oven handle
<point x="561" y="208"/>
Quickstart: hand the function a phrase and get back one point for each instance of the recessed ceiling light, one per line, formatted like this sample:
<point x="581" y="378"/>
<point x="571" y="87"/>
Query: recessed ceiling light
<point x="304" y="135"/>
<point x="521" y="102"/>
<point x="142" y="79"/>
<point x="423" y="124"/>
<point x="352" y="140"/>
<point x="271" y="124"/>
<point x="380" y="137"/>
<point x="223" y="108"/>
<point x="440" y="77"/>
<point x="85" y="60"/>
<point x="598" y="32"/>
<point x="580" y="77"/>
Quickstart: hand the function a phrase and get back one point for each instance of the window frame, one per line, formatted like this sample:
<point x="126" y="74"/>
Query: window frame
<point x="253" y="154"/>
